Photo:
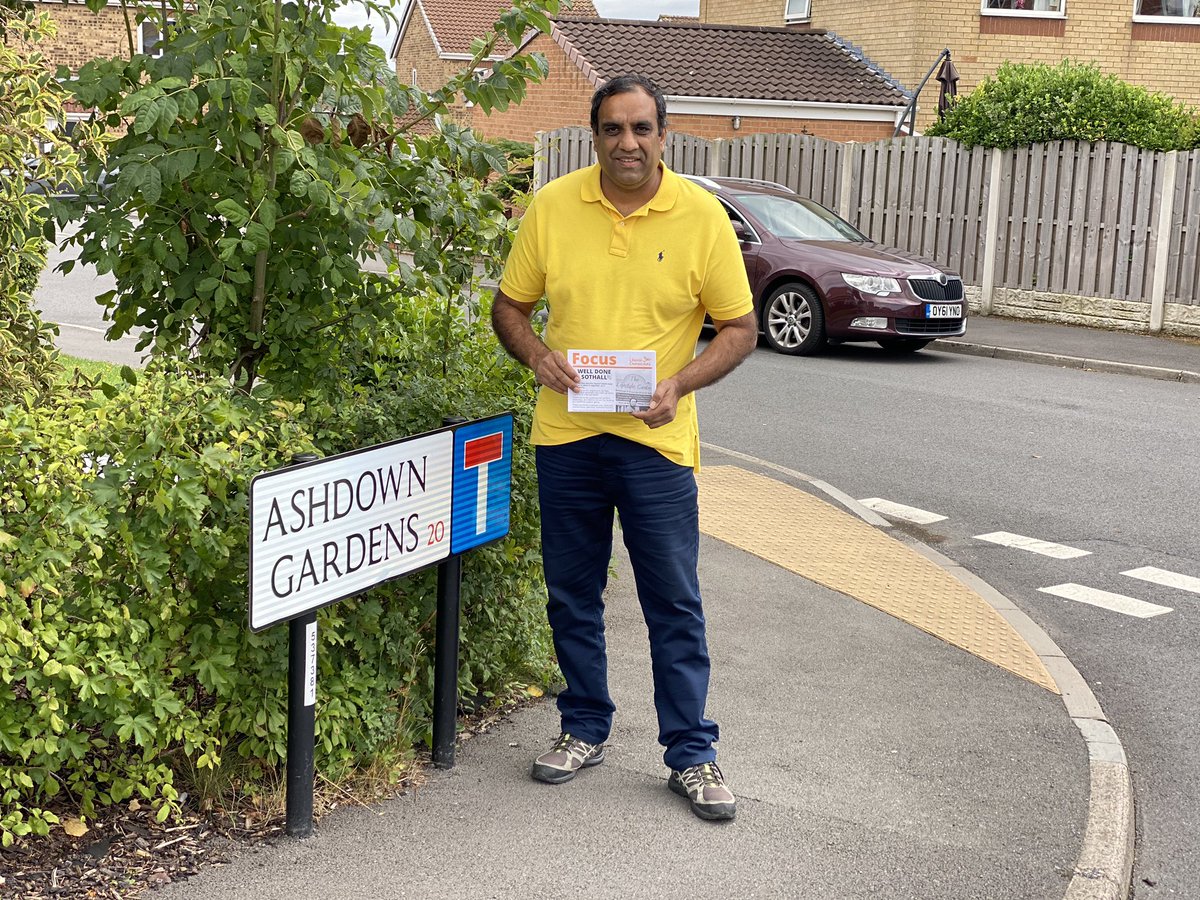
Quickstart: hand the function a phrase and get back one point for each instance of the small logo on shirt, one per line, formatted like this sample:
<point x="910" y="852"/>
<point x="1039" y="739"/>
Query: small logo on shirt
<point x="660" y="256"/>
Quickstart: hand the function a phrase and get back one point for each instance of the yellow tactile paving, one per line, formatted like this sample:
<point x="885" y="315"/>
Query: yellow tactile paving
<point x="820" y="542"/>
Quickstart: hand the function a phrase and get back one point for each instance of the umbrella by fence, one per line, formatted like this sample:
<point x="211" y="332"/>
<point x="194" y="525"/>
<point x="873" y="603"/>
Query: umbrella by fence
<point x="947" y="76"/>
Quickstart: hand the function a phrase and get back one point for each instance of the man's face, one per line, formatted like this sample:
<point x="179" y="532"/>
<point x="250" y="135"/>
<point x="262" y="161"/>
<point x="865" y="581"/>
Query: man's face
<point x="629" y="144"/>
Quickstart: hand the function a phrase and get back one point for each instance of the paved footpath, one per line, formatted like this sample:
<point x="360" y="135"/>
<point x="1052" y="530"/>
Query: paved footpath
<point x="892" y="726"/>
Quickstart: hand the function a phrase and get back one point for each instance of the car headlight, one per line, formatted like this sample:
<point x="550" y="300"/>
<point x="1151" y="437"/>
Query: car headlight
<point x="872" y="284"/>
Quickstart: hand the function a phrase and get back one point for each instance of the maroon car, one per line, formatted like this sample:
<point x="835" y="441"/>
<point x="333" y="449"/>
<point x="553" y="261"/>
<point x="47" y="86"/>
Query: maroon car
<point x="816" y="278"/>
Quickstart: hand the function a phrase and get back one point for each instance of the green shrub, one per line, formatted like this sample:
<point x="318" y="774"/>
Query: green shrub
<point x="1027" y="104"/>
<point x="122" y="559"/>
<point x="29" y="98"/>
<point x="431" y="363"/>
<point x="125" y="655"/>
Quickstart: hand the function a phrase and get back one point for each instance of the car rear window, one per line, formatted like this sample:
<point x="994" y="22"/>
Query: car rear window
<point x="795" y="217"/>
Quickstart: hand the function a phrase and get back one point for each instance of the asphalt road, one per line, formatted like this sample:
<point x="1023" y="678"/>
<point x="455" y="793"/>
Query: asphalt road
<point x="1100" y="463"/>
<point x="70" y="302"/>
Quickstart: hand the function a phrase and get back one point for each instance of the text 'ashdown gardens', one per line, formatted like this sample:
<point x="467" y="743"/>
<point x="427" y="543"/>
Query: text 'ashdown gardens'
<point x="328" y="502"/>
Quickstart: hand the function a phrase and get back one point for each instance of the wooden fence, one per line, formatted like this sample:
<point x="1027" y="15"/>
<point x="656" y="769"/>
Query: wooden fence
<point x="1095" y="220"/>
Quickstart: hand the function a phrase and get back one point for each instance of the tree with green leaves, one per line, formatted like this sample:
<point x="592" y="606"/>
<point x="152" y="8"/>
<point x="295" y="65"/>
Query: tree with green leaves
<point x="1032" y="103"/>
<point x="248" y="200"/>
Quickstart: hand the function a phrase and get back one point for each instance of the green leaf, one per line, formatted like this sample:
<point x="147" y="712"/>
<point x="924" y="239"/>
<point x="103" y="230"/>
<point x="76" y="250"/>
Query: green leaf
<point x="233" y="211"/>
<point x="266" y="214"/>
<point x="147" y="118"/>
<point x="151" y="185"/>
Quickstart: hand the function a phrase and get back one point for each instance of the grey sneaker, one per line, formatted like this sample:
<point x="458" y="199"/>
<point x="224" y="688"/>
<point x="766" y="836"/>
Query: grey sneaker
<point x="567" y="756"/>
<point x="705" y="788"/>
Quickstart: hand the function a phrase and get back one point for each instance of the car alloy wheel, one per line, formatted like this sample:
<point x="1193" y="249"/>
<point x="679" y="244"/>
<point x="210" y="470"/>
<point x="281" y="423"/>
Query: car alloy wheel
<point x="793" y="320"/>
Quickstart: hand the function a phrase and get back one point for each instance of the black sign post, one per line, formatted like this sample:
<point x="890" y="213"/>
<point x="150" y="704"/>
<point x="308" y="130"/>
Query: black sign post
<point x="445" y="659"/>
<point x="302" y="719"/>
<point x="445" y="662"/>
<point x="302" y="724"/>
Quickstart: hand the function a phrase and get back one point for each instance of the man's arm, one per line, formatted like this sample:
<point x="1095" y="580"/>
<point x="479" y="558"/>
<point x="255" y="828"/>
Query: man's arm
<point x="511" y="322"/>
<point x="734" y="340"/>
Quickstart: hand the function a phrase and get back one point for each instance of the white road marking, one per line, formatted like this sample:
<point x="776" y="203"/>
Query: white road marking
<point x="1164" y="577"/>
<point x="81" y="327"/>
<point x="1130" y="606"/>
<point x="900" y="511"/>
<point x="1033" y="545"/>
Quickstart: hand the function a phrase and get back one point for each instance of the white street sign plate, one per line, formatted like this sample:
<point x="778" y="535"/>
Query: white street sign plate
<point x="324" y="530"/>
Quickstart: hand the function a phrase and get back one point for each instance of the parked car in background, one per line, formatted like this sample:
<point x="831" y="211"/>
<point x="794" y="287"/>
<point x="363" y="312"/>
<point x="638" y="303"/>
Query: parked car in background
<point x="37" y="183"/>
<point x="816" y="278"/>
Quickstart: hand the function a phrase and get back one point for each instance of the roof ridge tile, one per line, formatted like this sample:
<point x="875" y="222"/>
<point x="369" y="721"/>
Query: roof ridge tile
<point x="855" y="52"/>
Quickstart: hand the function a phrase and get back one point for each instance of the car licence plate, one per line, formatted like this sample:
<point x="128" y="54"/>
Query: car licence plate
<point x="943" y="310"/>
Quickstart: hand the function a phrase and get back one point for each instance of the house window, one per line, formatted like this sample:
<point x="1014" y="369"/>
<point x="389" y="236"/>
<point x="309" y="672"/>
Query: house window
<point x="1169" y="10"/>
<point x="1024" y="7"/>
<point x="151" y="38"/>
<point x="796" y="11"/>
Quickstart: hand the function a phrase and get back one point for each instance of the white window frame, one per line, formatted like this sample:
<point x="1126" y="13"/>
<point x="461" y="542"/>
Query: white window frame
<point x="792" y="17"/>
<point x="1030" y="13"/>
<point x="1193" y="19"/>
<point x="141" y="34"/>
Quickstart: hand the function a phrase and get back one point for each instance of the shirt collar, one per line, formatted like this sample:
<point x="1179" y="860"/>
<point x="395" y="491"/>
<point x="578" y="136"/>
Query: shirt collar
<point x="663" y="199"/>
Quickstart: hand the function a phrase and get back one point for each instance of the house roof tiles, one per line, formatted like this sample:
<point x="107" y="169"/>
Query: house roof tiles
<point x="727" y="61"/>
<point x="456" y="23"/>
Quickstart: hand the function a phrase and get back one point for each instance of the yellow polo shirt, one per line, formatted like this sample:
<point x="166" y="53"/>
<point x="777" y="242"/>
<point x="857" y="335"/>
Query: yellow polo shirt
<point x="641" y="282"/>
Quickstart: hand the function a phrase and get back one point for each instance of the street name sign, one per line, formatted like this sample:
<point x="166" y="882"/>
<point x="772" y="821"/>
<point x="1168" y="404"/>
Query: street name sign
<point x="322" y="531"/>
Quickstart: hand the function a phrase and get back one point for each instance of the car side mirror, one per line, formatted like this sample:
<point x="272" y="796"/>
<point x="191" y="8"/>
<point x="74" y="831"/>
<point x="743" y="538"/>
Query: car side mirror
<point x="739" y="229"/>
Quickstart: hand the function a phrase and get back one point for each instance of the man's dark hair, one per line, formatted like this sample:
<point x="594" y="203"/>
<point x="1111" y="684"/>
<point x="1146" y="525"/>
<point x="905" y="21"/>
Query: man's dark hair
<point x="623" y="84"/>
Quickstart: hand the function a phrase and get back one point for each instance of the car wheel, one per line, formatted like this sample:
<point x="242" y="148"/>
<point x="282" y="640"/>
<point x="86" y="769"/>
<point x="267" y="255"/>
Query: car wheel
<point x="904" y="345"/>
<point x="793" y="320"/>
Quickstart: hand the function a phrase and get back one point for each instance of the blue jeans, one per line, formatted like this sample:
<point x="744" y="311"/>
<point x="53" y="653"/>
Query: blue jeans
<point x="579" y="486"/>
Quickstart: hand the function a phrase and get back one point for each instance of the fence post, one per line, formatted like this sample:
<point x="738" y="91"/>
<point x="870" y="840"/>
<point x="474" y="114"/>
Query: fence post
<point x="714" y="158"/>
<point x="991" y="241"/>
<point x="847" y="179"/>
<point x="1162" y="243"/>
<point x="541" y="160"/>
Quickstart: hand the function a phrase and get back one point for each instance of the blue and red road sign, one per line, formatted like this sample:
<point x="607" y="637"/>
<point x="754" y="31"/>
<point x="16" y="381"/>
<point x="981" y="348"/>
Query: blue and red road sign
<point x="482" y="482"/>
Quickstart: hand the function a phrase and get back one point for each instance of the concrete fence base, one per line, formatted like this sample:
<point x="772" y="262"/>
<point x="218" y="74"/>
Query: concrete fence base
<point x="1179" y="319"/>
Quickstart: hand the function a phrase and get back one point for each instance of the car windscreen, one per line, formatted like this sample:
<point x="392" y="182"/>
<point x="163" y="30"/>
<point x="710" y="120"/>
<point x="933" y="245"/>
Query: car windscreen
<point x="795" y="217"/>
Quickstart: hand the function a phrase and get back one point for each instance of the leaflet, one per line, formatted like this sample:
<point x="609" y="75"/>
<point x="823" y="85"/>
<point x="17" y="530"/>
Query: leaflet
<point x="612" y="381"/>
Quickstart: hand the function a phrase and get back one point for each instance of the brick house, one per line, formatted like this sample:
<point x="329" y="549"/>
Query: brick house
<point x="720" y="81"/>
<point x="1153" y="43"/>
<point x="84" y="35"/>
<point x="433" y="41"/>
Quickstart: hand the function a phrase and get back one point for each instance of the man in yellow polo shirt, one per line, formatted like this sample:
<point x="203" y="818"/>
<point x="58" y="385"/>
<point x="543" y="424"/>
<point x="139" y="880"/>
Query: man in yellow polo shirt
<point x="630" y="258"/>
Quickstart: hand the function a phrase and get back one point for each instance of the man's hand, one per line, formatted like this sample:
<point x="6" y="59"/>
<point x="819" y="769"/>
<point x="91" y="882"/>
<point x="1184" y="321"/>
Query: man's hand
<point x="662" y="405"/>
<point x="733" y="342"/>
<point x="556" y="373"/>
<point x="510" y="321"/>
